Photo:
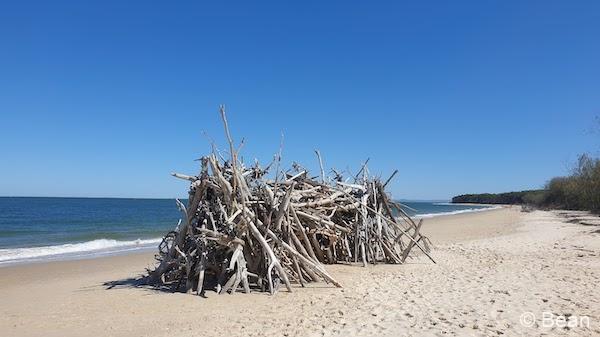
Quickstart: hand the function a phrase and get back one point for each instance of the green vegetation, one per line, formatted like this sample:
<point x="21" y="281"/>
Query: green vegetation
<point x="578" y="191"/>
<point x="510" y="198"/>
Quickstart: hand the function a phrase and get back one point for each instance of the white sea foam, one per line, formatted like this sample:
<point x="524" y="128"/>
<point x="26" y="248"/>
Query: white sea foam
<point x="73" y="250"/>
<point x="460" y="211"/>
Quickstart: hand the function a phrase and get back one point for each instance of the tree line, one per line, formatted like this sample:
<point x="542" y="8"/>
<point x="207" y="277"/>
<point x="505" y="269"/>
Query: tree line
<point x="578" y="191"/>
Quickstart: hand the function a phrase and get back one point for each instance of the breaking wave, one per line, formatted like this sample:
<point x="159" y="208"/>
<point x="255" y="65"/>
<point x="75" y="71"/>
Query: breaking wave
<point x="74" y="250"/>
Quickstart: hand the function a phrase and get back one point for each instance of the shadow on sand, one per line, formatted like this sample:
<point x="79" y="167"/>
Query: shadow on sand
<point x="141" y="282"/>
<point x="132" y="282"/>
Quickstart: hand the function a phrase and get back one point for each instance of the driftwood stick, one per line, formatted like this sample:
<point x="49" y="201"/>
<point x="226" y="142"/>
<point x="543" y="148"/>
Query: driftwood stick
<point x="283" y="207"/>
<point x="307" y="241"/>
<point x="321" y="166"/>
<point x="315" y="267"/>
<point x="390" y="178"/>
<point x="412" y="242"/>
<point x="317" y="247"/>
<point x="274" y="261"/>
<point x="362" y="168"/>
<point x="231" y="146"/>
<point x="309" y="271"/>
<point x="320" y="219"/>
<point x="184" y="176"/>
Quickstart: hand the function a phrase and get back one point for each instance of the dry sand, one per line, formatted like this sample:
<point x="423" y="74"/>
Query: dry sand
<point x="492" y="267"/>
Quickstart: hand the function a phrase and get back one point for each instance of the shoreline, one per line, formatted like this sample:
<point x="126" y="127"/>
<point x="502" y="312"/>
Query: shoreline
<point x="440" y="230"/>
<point x="482" y="208"/>
<point x="491" y="268"/>
<point x="80" y="256"/>
<point x="78" y="251"/>
<point x="476" y="204"/>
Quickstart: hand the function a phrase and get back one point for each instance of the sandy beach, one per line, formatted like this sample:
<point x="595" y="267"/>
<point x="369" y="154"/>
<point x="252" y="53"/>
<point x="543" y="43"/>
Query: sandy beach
<point x="492" y="268"/>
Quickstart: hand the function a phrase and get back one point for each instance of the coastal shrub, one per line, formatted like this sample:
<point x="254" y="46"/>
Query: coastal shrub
<point x="535" y="198"/>
<point x="580" y="190"/>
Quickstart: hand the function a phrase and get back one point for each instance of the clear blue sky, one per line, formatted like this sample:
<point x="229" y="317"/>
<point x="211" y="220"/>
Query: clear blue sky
<point x="104" y="98"/>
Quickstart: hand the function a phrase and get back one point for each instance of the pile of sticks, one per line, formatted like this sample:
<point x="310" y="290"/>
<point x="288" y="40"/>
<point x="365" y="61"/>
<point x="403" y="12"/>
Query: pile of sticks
<point x="242" y="230"/>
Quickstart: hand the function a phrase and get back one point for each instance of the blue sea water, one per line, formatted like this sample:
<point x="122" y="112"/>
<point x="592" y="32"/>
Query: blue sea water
<point x="33" y="229"/>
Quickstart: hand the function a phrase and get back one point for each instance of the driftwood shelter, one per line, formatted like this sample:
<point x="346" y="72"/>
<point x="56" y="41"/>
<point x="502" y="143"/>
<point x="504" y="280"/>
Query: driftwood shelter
<point x="241" y="230"/>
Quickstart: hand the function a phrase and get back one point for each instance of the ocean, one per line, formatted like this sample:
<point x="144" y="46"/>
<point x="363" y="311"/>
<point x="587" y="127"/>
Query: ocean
<point x="39" y="229"/>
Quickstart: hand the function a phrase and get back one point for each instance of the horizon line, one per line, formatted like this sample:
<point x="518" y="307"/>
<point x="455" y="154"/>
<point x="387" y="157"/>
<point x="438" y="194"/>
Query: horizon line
<point x="173" y="198"/>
